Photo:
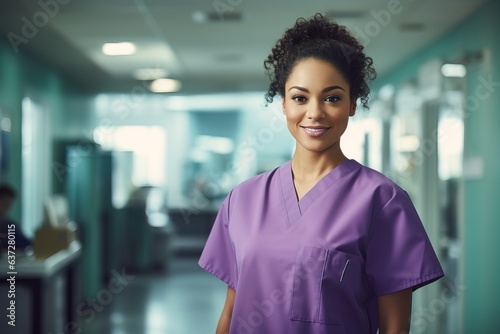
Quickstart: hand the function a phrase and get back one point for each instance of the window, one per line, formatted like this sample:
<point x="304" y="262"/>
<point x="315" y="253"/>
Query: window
<point x="148" y="144"/>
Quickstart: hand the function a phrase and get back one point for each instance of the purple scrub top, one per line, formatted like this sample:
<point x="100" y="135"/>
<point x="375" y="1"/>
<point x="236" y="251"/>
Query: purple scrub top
<point x="317" y="265"/>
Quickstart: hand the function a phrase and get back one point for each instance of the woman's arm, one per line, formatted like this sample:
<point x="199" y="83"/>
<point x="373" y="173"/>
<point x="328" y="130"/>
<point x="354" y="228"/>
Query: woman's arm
<point x="394" y="311"/>
<point x="227" y="312"/>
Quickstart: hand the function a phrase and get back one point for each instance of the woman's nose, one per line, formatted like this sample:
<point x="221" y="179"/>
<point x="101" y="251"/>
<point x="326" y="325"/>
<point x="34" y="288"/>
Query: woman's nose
<point x="315" y="111"/>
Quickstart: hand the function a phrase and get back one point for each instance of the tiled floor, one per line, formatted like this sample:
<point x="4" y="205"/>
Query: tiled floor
<point x="186" y="301"/>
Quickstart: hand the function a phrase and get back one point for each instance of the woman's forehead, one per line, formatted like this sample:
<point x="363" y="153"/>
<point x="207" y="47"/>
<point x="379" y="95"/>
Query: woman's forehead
<point x="315" y="72"/>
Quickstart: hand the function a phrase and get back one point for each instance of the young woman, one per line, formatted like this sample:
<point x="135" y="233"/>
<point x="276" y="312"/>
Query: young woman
<point x="321" y="244"/>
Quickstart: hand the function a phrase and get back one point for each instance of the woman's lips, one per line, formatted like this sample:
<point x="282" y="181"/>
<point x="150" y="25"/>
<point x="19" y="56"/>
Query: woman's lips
<point x="315" y="131"/>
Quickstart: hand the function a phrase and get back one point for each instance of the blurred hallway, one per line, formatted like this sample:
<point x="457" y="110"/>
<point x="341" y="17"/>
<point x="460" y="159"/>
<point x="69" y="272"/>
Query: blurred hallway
<point x="130" y="171"/>
<point x="185" y="301"/>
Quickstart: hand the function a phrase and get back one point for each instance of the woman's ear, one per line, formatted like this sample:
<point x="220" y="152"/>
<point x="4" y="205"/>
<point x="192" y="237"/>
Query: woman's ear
<point x="283" y="105"/>
<point x="352" y="111"/>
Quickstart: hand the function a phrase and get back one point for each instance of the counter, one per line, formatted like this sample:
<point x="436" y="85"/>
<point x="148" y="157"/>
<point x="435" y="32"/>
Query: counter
<point x="46" y="292"/>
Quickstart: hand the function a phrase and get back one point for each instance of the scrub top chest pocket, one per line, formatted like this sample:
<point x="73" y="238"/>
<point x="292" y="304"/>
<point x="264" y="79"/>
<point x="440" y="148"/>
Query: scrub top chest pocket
<point x="328" y="286"/>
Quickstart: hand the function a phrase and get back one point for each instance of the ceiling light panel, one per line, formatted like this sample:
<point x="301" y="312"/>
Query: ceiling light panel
<point x="208" y="17"/>
<point x="165" y="86"/>
<point x="453" y="70"/>
<point x="118" y="49"/>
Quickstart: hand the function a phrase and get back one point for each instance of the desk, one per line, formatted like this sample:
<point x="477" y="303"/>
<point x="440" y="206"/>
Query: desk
<point x="47" y="291"/>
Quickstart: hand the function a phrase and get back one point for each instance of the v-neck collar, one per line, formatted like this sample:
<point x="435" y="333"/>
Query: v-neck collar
<point x="295" y="208"/>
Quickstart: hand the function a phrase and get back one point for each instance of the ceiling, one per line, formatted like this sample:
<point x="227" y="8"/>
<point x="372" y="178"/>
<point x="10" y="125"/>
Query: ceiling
<point x="222" y="55"/>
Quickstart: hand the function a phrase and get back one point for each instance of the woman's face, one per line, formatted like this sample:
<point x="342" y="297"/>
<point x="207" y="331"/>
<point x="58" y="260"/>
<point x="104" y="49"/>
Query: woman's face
<point x="317" y="105"/>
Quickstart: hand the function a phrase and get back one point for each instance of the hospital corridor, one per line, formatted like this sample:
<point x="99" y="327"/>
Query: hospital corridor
<point x="186" y="301"/>
<point x="249" y="167"/>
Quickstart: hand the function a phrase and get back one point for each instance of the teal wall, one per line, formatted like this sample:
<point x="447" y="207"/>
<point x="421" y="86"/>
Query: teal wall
<point x="68" y="108"/>
<point x="21" y="75"/>
<point x="482" y="136"/>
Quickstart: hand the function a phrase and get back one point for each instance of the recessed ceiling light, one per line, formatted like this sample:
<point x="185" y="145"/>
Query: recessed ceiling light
<point x="165" y="86"/>
<point x="118" y="49"/>
<point x="214" y="16"/>
<point x="453" y="70"/>
<point x="150" y="73"/>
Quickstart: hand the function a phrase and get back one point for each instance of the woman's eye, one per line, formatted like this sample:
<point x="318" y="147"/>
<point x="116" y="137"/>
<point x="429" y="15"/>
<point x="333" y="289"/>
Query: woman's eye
<point x="299" y="98"/>
<point x="332" y="99"/>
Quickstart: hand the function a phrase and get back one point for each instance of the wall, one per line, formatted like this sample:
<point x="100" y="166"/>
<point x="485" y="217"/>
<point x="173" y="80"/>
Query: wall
<point x="482" y="119"/>
<point x="20" y="76"/>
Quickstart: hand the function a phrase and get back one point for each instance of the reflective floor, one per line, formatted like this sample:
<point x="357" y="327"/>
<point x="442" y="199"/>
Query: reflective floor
<point x="186" y="301"/>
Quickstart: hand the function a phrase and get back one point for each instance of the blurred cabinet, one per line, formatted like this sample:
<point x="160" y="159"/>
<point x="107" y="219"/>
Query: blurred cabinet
<point x="145" y="231"/>
<point x="46" y="292"/>
<point x="88" y="189"/>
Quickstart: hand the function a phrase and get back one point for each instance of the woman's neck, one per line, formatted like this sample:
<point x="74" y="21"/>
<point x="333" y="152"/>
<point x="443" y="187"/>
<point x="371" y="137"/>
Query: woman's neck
<point x="307" y="165"/>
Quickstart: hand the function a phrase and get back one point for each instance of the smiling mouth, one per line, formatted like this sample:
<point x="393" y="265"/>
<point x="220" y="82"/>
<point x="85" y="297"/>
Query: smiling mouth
<point x="315" y="131"/>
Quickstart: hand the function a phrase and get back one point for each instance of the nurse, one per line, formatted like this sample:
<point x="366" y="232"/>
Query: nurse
<point x="321" y="244"/>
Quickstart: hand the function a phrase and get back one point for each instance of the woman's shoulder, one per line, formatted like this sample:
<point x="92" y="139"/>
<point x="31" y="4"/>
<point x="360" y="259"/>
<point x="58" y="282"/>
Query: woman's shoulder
<point x="377" y="177"/>
<point x="380" y="184"/>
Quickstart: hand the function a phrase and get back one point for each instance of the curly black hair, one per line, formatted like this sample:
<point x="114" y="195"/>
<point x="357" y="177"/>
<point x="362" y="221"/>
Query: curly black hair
<point x="321" y="39"/>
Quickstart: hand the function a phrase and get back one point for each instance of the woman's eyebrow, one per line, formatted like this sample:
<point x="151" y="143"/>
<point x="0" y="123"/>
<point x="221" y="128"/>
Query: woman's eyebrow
<point x="327" y="89"/>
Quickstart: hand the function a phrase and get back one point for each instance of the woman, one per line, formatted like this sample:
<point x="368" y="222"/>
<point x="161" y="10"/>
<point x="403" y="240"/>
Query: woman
<point x="321" y="244"/>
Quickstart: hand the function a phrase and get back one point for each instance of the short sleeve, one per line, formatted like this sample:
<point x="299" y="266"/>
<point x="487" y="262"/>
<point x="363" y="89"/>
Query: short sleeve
<point x="218" y="257"/>
<point x="399" y="254"/>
